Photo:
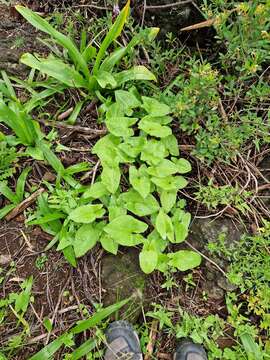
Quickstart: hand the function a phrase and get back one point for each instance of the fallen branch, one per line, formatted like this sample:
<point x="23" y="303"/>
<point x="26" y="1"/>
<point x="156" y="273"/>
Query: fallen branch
<point x="152" y="340"/>
<point x="76" y="128"/>
<point x="166" y="6"/>
<point x="200" y="25"/>
<point x="24" y="205"/>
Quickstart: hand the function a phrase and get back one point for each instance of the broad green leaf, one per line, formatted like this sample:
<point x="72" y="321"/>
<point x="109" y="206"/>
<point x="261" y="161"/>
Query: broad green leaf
<point x="86" y="238"/>
<point x="136" y="73"/>
<point x="155" y="107"/>
<point x="114" y="32"/>
<point x="87" y="213"/>
<point x="168" y="199"/>
<point x="132" y="240"/>
<point x="170" y="143"/>
<point x="164" y="226"/>
<point x="119" y="126"/>
<point x="21" y="183"/>
<point x="140" y="180"/>
<point x="127" y="101"/>
<point x="96" y="191"/>
<point x="105" y="78"/>
<point x="110" y="177"/>
<point x="180" y="231"/>
<point x="148" y="261"/>
<point x="123" y="227"/>
<point x="170" y="182"/>
<point x="183" y="165"/>
<point x="153" y="152"/>
<point x="161" y="120"/>
<point x="106" y="149"/>
<point x="138" y="205"/>
<point x="154" y="129"/>
<point x="184" y="260"/>
<point x="162" y="264"/>
<point x="63" y="40"/>
<point x="163" y="169"/>
<point x="57" y="69"/>
<point x="155" y="242"/>
<point x="132" y="146"/>
<point x="109" y="244"/>
<point x="69" y="255"/>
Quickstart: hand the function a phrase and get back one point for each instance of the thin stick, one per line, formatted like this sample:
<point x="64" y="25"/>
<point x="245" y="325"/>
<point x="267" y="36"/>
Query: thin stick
<point x="166" y="6"/>
<point x="24" y="204"/>
<point x="152" y="340"/>
<point x="77" y="128"/>
<point x="65" y="114"/>
<point x="207" y="258"/>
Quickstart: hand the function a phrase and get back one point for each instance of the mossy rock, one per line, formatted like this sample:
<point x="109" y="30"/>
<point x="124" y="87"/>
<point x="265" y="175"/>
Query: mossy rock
<point x="121" y="278"/>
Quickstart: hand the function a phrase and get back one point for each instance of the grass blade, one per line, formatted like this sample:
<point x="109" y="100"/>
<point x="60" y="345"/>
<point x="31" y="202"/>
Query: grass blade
<point x="52" y="158"/>
<point x="75" y="113"/>
<point x="98" y="317"/>
<point x="47" y="352"/>
<point x="83" y="350"/>
<point x="114" y="32"/>
<point x="9" y="86"/>
<point x="4" y="211"/>
<point x="43" y="25"/>
<point x="5" y="190"/>
<point x="21" y="183"/>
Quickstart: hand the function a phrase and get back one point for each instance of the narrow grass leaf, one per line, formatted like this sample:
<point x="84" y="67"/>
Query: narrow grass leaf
<point x="43" y="25"/>
<point x="98" y="317"/>
<point x="114" y="32"/>
<point x="83" y="350"/>
<point x="21" y="183"/>
<point x="5" y="190"/>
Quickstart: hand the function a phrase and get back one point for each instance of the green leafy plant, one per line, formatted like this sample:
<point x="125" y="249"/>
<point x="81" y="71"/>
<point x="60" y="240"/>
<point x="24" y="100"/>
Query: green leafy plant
<point x="214" y="196"/>
<point x="106" y="212"/>
<point x="244" y="30"/>
<point x="78" y="75"/>
<point x="8" y="157"/>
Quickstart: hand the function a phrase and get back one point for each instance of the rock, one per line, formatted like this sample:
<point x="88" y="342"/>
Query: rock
<point x="121" y="277"/>
<point x="204" y="231"/>
<point x="5" y="259"/>
<point x="213" y="291"/>
<point x="224" y="284"/>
